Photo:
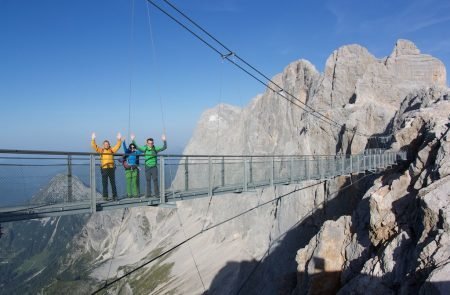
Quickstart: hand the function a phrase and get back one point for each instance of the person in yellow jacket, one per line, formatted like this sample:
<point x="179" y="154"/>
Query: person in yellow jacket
<point x="107" y="167"/>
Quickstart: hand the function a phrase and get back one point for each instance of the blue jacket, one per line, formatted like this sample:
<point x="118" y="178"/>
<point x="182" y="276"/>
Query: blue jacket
<point x="132" y="159"/>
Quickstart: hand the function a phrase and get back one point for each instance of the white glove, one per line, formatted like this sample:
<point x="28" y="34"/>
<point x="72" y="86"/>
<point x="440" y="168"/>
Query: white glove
<point x="93" y="135"/>
<point x="119" y="136"/>
<point x="132" y="136"/>
<point x="163" y="137"/>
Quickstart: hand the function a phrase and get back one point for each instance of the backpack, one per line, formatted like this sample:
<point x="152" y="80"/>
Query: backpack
<point x="125" y="162"/>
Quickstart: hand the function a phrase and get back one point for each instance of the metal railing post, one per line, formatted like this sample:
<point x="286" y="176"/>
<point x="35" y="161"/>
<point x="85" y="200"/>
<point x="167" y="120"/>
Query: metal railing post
<point x="291" y="170"/>
<point x="364" y="162"/>
<point x="272" y="171"/>
<point x="307" y="169"/>
<point x="351" y="164"/>
<point x="186" y="173"/>
<point x="162" y="181"/>
<point x="343" y="164"/>
<point x="69" y="179"/>
<point x="251" y="169"/>
<point x="92" y="183"/>
<point x="334" y="166"/>
<point x="321" y="168"/>
<point x="358" y="157"/>
<point x="222" y="171"/>
<point x="210" y="190"/>
<point x="245" y="175"/>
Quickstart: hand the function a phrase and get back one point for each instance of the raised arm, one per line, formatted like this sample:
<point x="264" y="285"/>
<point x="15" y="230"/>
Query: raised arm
<point x="94" y="145"/>
<point x="119" y="142"/>
<point x="160" y="149"/>
<point x="139" y="148"/>
<point x="124" y="145"/>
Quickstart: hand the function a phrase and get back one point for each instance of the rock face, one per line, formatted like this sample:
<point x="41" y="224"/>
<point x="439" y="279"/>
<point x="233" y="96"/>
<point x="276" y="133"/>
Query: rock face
<point x="399" y="238"/>
<point x="356" y="89"/>
<point x="324" y="257"/>
<point x="404" y="71"/>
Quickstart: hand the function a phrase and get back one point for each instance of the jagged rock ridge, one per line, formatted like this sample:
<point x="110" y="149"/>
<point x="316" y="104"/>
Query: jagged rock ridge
<point x="397" y="241"/>
<point x="356" y="89"/>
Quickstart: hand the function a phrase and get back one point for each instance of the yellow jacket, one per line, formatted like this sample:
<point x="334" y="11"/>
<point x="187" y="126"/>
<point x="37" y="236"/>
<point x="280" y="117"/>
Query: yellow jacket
<point x="107" y="157"/>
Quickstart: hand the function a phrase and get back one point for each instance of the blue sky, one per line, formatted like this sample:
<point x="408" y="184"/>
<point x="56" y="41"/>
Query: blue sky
<point x="66" y="66"/>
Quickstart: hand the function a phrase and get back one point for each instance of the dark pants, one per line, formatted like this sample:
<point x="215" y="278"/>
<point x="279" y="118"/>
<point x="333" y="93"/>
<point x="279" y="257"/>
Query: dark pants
<point x="109" y="173"/>
<point x="151" y="173"/>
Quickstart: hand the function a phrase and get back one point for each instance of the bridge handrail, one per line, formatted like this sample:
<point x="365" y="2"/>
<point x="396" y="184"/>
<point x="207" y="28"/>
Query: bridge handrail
<point x="209" y="174"/>
<point x="68" y="153"/>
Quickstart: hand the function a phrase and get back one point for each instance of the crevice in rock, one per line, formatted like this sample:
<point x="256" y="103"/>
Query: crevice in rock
<point x="333" y="80"/>
<point x="340" y="139"/>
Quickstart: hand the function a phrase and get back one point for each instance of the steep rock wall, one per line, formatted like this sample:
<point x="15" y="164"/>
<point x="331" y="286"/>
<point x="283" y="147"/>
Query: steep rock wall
<point x="399" y="237"/>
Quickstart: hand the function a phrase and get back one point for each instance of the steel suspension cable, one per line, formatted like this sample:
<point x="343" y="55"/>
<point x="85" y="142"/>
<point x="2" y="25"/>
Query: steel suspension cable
<point x="192" y="253"/>
<point x="226" y="56"/>
<point x="155" y="61"/>
<point x="311" y="110"/>
<point x="200" y="233"/>
<point x="295" y="225"/>
<point x="241" y="59"/>
<point x="130" y="61"/>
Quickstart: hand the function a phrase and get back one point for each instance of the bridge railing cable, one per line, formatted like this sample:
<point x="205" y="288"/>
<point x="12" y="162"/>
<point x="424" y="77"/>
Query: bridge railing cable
<point x="37" y="184"/>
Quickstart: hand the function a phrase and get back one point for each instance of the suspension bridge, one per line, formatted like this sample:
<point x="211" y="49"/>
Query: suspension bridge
<point x="181" y="177"/>
<point x="40" y="184"/>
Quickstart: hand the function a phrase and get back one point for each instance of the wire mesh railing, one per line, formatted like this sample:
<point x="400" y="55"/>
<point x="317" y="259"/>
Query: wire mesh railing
<point x="38" y="183"/>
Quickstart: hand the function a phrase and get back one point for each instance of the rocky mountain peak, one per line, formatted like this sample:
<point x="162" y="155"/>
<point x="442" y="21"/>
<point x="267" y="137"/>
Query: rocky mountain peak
<point x="404" y="47"/>
<point x="356" y="89"/>
<point x="343" y="69"/>
<point x="58" y="190"/>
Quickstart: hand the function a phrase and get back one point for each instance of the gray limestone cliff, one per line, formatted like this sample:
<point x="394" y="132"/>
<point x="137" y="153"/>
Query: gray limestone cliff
<point x="356" y="89"/>
<point x="397" y="240"/>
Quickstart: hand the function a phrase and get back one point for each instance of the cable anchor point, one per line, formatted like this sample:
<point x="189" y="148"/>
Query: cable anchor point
<point x="226" y="56"/>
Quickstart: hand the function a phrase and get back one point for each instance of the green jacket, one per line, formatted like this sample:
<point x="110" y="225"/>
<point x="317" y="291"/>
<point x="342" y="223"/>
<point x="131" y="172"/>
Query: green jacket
<point x="150" y="153"/>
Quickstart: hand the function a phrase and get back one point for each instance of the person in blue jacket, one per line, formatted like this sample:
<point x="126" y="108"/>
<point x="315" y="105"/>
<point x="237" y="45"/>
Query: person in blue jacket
<point x="131" y="165"/>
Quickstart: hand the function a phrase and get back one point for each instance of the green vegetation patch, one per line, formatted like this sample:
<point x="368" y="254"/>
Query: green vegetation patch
<point x="147" y="280"/>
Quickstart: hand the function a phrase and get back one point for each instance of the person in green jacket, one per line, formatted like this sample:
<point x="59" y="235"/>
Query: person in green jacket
<point x="151" y="172"/>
